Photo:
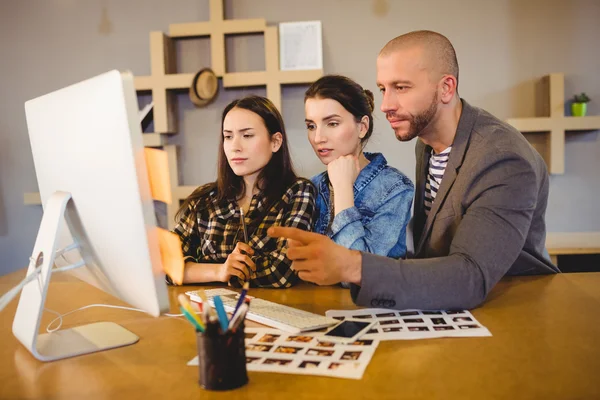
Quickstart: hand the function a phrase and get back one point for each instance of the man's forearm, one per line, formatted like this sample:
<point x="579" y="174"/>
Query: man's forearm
<point x="451" y="282"/>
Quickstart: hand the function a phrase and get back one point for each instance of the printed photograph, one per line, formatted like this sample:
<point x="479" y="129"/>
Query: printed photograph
<point x="418" y="328"/>
<point x="469" y="326"/>
<point x="319" y="352"/>
<point x="393" y="329"/>
<point x="325" y="344"/>
<point x="366" y="316"/>
<point x="462" y="319"/>
<point x="443" y="328"/>
<point x="300" y="339"/>
<point x="453" y="312"/>
<point x="252" y="360"/>
<point x="408" y="313"/>
<point x="413" y="320"/>
<point x="385" y="315"/>
<point x="276" y="361"/>
<point x="389" y="322"/>
<point x="258" y="347"/>
<point x="351" y="355"/>
<point x="249" y="335"/>
<point x="361" y="343"/>
<point x="431" y="312"/>
<point x="438" y="321"/>
<point x="288" y="349"/>
<point x="371" y="331"/>
<point x="346" y="366"/>
<point x="268" y="338"/>
<point x="309" y="364"/>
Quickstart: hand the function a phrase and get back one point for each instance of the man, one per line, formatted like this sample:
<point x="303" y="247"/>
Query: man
<point x="481" y="194"/>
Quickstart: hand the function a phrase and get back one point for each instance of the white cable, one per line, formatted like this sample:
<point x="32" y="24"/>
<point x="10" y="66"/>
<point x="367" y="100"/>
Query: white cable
<point x="66" y="249"/>
<point x="60" y="316"/>
<point x="173" y="315"/>
<point x="12" y="293"/>
<point x="8" y="296"/>
<point x="78" y="264"/>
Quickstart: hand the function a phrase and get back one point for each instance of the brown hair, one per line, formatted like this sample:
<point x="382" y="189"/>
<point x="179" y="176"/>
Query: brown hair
<point x="356" y="100"/>
<point x="273" y="180"/>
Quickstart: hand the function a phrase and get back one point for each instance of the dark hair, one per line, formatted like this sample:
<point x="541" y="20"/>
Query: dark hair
<point x="356" y="100"/>
<point x="273" y="180"/>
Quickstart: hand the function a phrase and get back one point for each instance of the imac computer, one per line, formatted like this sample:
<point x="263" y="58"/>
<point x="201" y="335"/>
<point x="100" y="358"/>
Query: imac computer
<point x="98" y="220"/>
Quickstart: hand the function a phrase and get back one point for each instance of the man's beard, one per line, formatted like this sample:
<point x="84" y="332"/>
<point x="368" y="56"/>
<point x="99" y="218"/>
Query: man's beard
<point x="417" y="123"/>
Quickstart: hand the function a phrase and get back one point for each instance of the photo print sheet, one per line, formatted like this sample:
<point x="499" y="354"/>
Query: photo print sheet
<point x="271" y="350"/>
<point x="414" y="324"/>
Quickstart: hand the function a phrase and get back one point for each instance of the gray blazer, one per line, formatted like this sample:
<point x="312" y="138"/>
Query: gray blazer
<point x="487" y="221"/>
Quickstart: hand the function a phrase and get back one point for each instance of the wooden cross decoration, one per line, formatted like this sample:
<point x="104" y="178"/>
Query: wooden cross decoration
<point x="163" y="81"/>
<point x="273" y="78"/>
<point x="217" y="27"/>
<point x="554" y="123"/>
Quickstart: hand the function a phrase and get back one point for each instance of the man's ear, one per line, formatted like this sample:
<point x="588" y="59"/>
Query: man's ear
<point x="276" y="141"/>
<point x="449" y="86"/>
<point x="363" y="126"/>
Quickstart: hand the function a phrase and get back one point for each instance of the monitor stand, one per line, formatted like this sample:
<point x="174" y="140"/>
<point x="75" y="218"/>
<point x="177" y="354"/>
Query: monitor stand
<point x="63" y="343"/>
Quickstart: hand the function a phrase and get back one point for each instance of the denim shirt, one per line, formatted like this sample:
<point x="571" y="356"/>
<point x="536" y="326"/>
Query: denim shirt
<point x="377" y="222"/>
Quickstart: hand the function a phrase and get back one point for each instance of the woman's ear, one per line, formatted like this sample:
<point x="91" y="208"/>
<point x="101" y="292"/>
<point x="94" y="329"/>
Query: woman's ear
<point x="276" y="141"/>
<point x="363" y="126"/>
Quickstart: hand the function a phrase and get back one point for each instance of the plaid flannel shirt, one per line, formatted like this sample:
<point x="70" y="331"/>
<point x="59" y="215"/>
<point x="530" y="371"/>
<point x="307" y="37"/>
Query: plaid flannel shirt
<point x="210" y="234"/>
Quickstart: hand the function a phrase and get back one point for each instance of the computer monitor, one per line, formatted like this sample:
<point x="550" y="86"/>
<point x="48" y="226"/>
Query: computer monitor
<point x="88" y="152"/>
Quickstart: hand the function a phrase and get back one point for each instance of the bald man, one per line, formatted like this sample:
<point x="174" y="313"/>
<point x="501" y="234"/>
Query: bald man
<point x="480" y="198"/>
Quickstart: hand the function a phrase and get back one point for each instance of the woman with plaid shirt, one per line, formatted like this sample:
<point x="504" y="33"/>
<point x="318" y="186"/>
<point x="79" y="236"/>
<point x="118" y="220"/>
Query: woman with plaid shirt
<point x="255" y="175"/>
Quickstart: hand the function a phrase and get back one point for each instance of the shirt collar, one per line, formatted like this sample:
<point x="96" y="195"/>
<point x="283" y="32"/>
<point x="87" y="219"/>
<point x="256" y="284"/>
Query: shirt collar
<point x="377" y="163"/>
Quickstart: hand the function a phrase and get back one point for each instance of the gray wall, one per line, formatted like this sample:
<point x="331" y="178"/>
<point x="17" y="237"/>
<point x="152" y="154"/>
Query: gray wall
<point x="503" y="47"/>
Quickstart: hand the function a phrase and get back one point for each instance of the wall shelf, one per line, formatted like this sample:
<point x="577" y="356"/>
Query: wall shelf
<point x="553" y="123"/>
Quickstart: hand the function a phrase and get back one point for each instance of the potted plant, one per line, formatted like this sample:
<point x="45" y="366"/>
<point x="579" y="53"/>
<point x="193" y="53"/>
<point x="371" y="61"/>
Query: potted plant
<point x="579" y="105"/>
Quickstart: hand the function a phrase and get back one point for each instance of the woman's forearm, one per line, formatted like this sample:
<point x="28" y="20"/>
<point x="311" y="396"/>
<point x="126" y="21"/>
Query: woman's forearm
<point x="343" y="198"/>
<point x="200" y="272"/>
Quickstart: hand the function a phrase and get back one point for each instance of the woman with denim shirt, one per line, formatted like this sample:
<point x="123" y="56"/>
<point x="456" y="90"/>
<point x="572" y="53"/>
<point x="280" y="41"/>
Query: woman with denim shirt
<point x="362" y="203"/>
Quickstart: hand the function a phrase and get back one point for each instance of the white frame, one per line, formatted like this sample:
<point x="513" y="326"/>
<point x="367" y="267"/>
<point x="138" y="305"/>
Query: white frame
<point x="292" y="28"/>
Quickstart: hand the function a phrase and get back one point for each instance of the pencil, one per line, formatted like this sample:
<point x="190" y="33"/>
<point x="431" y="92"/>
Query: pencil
<point x="243" y="222"/>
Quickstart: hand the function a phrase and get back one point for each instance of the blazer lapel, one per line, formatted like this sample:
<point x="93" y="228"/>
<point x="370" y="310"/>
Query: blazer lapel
<point x="422" y="153"/>
<point x="447" y="182"/>
<point x="460" y="145"/>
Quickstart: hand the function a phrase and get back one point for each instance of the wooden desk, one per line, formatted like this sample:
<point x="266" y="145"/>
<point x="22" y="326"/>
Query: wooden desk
<point x="545" y="344"/>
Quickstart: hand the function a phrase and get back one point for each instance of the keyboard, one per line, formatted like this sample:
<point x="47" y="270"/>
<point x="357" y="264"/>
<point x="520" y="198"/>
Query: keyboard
<point x="268" y="313"/>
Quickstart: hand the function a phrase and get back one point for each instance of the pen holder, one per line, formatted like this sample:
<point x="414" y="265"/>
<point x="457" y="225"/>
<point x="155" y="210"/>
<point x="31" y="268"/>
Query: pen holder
<point x="222" y="360"/>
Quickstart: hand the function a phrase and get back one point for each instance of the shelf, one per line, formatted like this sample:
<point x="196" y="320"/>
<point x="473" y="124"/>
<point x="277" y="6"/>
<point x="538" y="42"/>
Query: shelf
<point x="555" y="125"/>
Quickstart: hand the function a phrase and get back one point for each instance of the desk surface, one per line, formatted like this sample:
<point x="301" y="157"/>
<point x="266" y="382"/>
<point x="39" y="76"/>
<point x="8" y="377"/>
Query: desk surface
<point x="545" y="344"/>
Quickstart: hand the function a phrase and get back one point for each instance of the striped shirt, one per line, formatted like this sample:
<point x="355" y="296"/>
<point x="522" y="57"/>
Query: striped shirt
<point x="437" y="166"/>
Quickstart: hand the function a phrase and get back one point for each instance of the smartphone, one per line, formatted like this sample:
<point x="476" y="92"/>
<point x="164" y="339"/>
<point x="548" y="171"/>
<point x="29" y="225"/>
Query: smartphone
<point x="348" y="330"/>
